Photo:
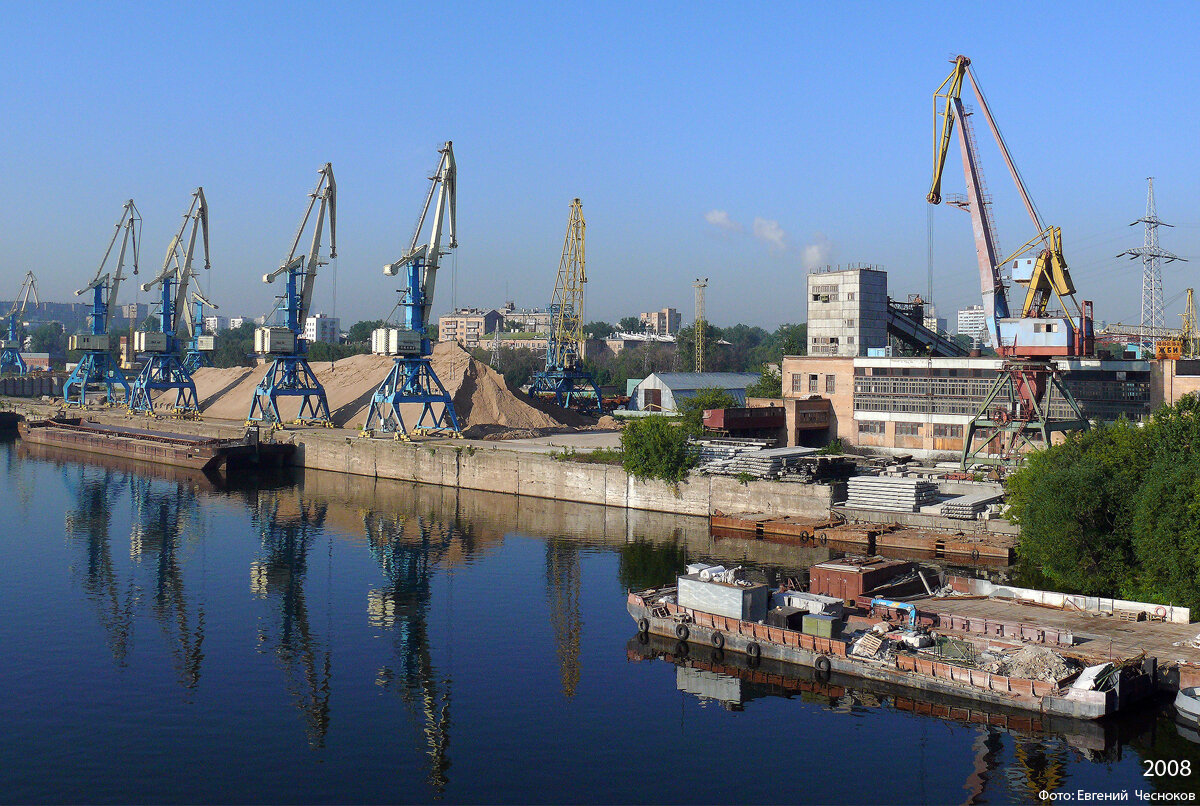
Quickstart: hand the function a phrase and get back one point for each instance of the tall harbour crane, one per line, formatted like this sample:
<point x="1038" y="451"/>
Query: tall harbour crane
<point x="1017" y="409"/>
<point x="10" y="347"/>
<point x="412" y="379"/>
<point x="563" y="380"/>
<point x="163" y="370"/>
<point x="289" y="374"/>
<point x="96" y="367"/>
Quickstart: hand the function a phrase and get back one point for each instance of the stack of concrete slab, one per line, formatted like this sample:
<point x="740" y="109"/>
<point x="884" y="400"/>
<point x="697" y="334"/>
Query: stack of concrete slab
<point x="969" y="507"/>
<point x="890" y="493"/>
<point x="761" y="464"/>
<point x="715" y="450"/>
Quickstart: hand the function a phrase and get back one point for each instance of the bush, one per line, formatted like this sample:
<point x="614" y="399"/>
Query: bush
<point x="692" y="409"/>
<point x="656" y="448"/>
<point x="1115" y="511"/>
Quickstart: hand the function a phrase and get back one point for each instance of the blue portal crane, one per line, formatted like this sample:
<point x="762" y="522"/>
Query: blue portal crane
<point x="412" y="379"/>
<point x="96" y="367"/>
<point x="10" y="347"/>
<point x="198" y="348"/>
<point x="289" y="374"/>
<point x="163" y="370"/>
<point x="563" y="381"/>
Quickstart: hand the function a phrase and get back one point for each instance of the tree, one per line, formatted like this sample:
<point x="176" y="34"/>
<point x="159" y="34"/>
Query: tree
<point x="598" y="330"/>
<point x="692" y="408"/>
<point x="769" y="384"/>
<point x="48" y="338"/>
<point x="656" y="448"/>
<point x="361" y="331"/>
<point x="630" y="324"/>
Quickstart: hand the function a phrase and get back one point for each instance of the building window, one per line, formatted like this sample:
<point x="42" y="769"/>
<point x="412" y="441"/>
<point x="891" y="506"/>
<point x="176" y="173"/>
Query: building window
<point x="850" y="323"/>
<point x="908" y="429"/>
<point x="850" y="296"/>
<point x="812" y="383"/>
<point x="797" y="383"/>
<point x="830" y="384"/>
<point x="870" y="426"/>
<point x="948" y="431"/>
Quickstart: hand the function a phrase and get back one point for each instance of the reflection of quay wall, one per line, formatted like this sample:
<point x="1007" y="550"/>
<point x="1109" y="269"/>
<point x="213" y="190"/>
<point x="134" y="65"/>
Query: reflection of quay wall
<point x="539" y="476"/>
<point x="491" y="516"/>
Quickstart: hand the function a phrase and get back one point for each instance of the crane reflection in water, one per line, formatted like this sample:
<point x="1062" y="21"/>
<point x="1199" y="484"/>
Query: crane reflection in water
<point x="88" y="522"/>
<point x="408" y="548"/>
<point x="288" y="527"/>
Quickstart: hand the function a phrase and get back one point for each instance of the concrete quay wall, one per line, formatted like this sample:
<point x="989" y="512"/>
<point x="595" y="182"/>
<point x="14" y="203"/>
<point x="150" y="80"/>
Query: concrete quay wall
<point x="495" y="469"/>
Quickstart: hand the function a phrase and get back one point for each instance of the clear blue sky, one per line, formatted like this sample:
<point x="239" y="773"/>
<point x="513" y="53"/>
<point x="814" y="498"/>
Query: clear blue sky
<point x="813" y="119"/>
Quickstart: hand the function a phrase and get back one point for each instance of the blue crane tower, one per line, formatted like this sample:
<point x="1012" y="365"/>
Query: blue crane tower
<point x="289" y="374"/>
<point x="96" y="368"/>
<point x="412" y="379"/>
<point x="200" y="345"/>
<point x="10" y="347"/>
<point x="163" y="370"/>
<point x="563" y="381"/>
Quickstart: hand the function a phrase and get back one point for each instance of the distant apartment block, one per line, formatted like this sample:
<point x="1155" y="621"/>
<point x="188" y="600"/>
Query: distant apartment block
<point x="935" y="323"/>
<point x="529" y="320"/>
<point x="469" y="326"/>
<point x="214" y="323"/>
<point x="237" y="321"/>
<point x="971" y="323"/>
<point x="661" y="323"/>
<point x="322" y="328"/>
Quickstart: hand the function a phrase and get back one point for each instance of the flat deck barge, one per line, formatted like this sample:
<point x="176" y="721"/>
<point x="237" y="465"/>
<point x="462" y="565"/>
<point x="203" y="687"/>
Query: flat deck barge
<point x="179" y="450"/>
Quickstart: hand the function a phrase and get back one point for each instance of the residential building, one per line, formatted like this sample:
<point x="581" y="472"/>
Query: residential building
<point x="663" y="391"/>
<point x="214" y="323"/>
<point x="237" y="321"/>
<point x="661" y="323"/>
<point x="469" y="326"/>
<point x="972" y="323"/>
<point x="529" y="320"/>
<point x="934" y="322"/>
<point x="323" y="328"/>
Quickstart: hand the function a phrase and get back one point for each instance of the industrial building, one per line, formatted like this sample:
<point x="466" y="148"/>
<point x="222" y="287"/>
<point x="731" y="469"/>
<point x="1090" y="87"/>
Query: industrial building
<point x="922" y="404"/>
<point x="662" y="391"/>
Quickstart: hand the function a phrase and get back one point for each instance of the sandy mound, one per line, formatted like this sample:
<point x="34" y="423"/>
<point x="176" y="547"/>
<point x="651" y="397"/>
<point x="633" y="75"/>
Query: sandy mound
<point x="480" y="395"/>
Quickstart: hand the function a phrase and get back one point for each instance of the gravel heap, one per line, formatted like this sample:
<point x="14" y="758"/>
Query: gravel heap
<point x="1032" y="663"/>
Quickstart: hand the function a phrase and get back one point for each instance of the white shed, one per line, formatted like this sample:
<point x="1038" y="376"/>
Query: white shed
<point x="662" y="391"/>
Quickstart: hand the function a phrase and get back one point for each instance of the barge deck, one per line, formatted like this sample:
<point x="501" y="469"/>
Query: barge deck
<point x="179" y="450"/>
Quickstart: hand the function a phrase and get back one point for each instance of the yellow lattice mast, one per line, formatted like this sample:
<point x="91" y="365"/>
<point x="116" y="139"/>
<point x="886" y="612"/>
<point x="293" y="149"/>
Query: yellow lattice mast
<point x="566" y="338"/>
<point x="1191" y="334"/>
<point x="701" y="324"/>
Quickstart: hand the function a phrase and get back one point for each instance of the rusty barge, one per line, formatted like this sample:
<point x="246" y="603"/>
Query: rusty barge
<point x="711" y="606"/>
<point x="179" y="450"/>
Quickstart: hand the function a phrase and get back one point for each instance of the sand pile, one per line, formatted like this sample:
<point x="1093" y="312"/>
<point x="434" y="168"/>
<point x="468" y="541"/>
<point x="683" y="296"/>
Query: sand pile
<point x="481" y="397"/>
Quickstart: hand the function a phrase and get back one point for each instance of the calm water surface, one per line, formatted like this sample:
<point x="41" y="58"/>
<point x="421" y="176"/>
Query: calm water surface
<point x="333" y="639"/>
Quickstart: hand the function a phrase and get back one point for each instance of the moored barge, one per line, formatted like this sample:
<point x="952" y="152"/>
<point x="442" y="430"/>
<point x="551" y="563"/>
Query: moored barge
<point x="180" y="450"/>
<point x="871" y="649"/>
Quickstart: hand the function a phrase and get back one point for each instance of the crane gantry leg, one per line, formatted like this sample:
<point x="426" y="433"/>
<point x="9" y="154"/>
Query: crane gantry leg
<point x="290" y="376"/>
<point x="163" y="372"/>
<point x="95" y="368"/>
<point x="412" y="380"/>
<point x="11" y="361"/>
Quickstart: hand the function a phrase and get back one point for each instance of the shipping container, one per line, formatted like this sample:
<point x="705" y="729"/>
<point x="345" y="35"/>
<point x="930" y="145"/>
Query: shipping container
<point x="748" y="603"/>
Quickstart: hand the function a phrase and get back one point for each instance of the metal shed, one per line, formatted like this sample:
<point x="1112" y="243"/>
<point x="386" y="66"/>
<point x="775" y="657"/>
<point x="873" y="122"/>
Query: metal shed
<point x="662" y="391"/>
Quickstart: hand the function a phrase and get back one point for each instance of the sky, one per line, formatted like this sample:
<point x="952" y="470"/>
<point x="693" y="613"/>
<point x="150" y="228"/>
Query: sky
<point x="746" y="143"/>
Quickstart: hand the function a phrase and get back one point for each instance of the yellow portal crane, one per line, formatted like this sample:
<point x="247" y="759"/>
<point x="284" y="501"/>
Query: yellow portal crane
<point x="1191" y="334"/>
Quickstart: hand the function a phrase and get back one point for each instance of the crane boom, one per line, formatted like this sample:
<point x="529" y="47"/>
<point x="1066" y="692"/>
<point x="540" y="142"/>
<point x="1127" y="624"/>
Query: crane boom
<point x="131" y="222"/>
<point x="443" y="183"/>
<point x="28" y="286"/>
<point x="180" y="268"/>
<point x="326" y="193"/>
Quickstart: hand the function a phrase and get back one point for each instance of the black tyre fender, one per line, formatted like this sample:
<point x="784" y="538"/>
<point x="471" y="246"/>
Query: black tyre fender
<point x="643" y="625"/>
<point x="823" y="665"/>
<point x="717" y="655"/>
<point x="681" y="649"/>
<point x="718" y="640"/>
<point x="682" y="632"/>
<point x="753" y="650"/>
<point x="974" y="554"/>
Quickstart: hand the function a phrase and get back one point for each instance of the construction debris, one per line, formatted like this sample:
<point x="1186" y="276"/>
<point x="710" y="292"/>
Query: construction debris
<point x="1032" y="663"/>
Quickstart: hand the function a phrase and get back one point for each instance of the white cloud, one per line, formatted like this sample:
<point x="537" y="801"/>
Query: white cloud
<point x="771" y="232"/>
<point x="817" y="251"/>
<point x="721" y="220"/>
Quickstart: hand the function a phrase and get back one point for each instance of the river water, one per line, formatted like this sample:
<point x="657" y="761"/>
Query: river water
<point x="335" y="639"/>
